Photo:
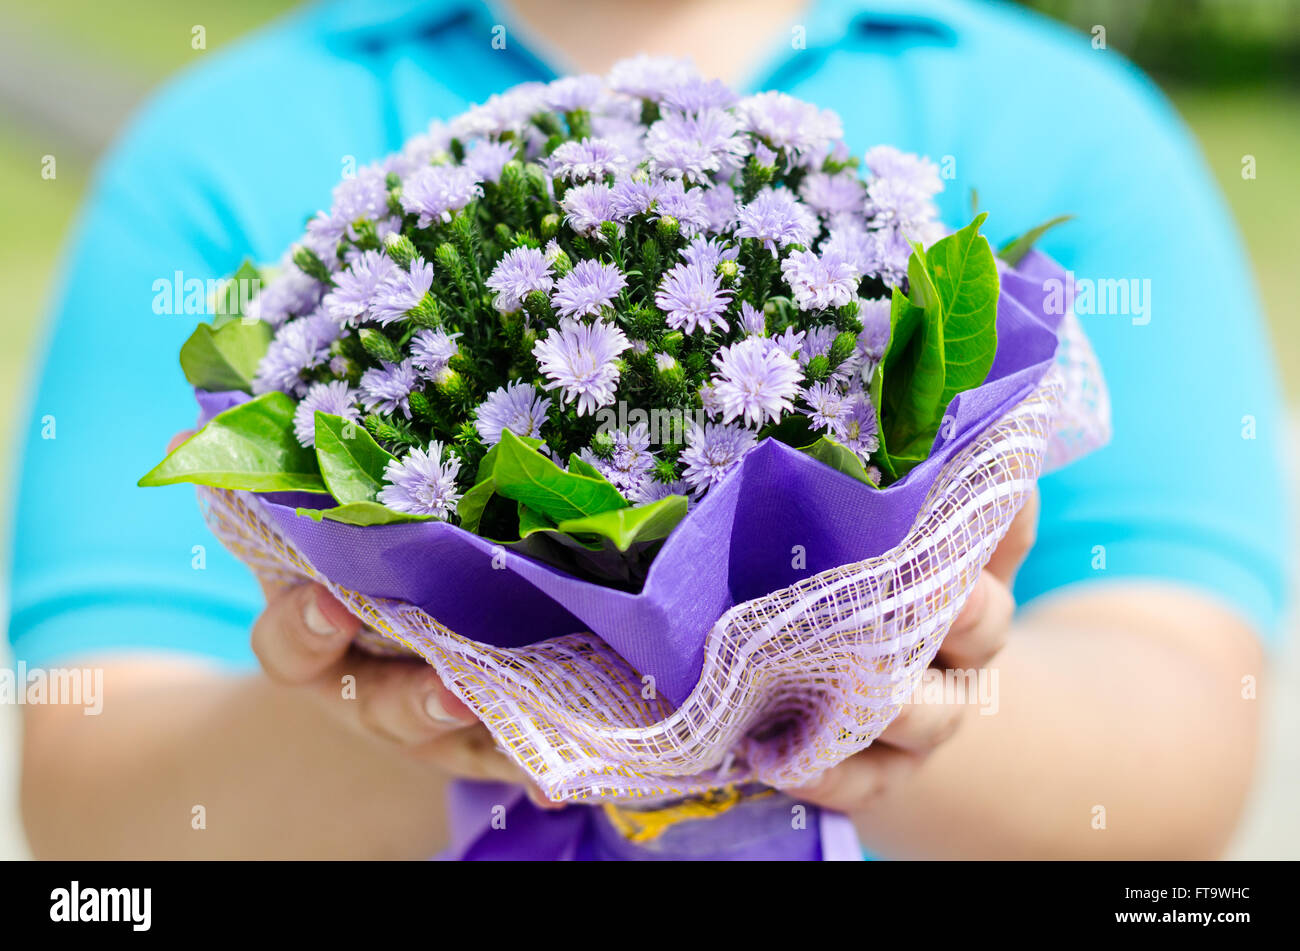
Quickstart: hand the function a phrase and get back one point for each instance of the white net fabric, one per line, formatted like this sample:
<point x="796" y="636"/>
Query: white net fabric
<point x="792" y="683"/>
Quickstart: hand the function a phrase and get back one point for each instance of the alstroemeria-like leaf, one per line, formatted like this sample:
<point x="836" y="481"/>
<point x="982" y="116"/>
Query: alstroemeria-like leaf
<point x="225" y="357"/>
<point x="250" y="446"/>
<point x="523" y="474"/>
<point x="351" y="462"/>
<point x="363" y="513"/>
<point x="839" y="457"/>
<point x="1014" y="250"/>
<point x="625" y="527"/>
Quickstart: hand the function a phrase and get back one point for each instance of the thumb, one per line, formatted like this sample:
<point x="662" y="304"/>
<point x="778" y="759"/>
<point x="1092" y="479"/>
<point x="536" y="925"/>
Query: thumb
<point x="1015" y="545"/>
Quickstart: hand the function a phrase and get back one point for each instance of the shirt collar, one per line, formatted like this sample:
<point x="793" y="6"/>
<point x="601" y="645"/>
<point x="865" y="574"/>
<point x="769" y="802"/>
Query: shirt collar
<point x="381" y="22"/>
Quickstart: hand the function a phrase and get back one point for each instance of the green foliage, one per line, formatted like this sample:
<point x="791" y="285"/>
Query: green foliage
<point x="250" y="446"/>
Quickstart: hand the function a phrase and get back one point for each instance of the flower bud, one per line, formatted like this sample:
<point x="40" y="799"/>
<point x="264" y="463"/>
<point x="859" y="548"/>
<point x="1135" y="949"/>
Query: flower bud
<point x="669" y="227"/>
<point x="818" y="369"/>
<point x="401" y="249"/>
<point x="842" y="348"/>
<point x="550" y="226"/>
<point x="378" y="345"/>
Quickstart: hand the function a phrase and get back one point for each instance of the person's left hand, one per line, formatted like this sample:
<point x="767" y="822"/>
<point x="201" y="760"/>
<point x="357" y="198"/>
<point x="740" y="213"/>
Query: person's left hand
<point x="976" y="636"/>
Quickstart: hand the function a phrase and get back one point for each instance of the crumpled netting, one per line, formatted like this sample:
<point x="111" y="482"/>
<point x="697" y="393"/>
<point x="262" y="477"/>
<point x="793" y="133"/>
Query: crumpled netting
<point x="792" y="683"/>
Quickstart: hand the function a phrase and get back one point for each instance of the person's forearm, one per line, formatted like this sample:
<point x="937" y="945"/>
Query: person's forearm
<point x="1121" y="732"/>
<point x="273" y="774"/>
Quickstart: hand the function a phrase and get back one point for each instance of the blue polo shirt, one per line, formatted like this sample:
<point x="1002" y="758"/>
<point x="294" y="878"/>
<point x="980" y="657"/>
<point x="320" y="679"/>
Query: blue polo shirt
<point x="231" y="157"/>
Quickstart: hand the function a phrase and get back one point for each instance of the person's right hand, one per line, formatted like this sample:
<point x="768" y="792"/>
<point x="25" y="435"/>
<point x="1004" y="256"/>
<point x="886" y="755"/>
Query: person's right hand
<point x="304" y="640"/>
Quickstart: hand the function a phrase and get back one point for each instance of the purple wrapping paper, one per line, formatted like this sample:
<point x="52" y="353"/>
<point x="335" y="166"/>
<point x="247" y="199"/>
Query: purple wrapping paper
<point x="733" y="546"/>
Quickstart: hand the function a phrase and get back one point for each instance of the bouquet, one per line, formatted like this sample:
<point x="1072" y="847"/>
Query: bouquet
<point x="670" y="433"/>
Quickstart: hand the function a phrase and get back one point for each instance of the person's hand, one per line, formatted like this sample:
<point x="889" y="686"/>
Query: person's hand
<point x="304" y="640"/>
<point x="976" y="636"/>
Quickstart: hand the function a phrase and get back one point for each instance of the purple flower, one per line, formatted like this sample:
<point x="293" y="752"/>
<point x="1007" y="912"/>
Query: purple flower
<point x="833" y="195"/>
<point x="422" y="483"/>
<point x="885" y="161"/>
<point x="518" y="407"/>
<point x="708" y="253"/>
<point x="712" y="452"/>
<point x="627" y="468"/>
<point x="820" y="281"/>
<point x="881" y="253"/>
<point x="633" y="196"/>
<point x="857" y="428"/>
<point x="874" y="315"/>
<point x="588" y="159"/>
<point x="789" y="342"/>
<point x="776" y="218"/>
<point x="828" y="406"/>
<point x="298" y="345"/>
<point x="686" y="205"/>
<point x="587" y="207"/>
<point x="752" y="320"/>
<point x="401" y="291"/>
<point x="510" y="111"/>
<point x="719" y="208"/>
<point x="893" y="202"/>
<point x="435" y="191"/>
<point x="652" y="490"/>
<point x="334" y="397"/>
<point x="571" y="93"/>
<point x="698" y="95"/>
<point x="785" y="122"/>
<point x="582" y="360"/>
<point x="291" y="294"/>
<point x="692" y="296"/>
<point x="519" y="272"/>
<point x="357" y="286"/>
<point x="432" y="350"/>
<point x="695" y="147"/>
<point x="486" y="159"/>
<point x="587" y="289"/>
<point x="649" y="77"/>
<point x="755" y="380"/>
<point x="387" y="388"/>
<point x="365" y="195"/>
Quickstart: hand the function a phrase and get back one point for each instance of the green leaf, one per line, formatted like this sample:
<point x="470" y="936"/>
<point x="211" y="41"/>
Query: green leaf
<point x="581" y="467"/>
<point x="250" y="446"/>
<point x="943" y="337"/>
<point x="523" y="474"/>
<point x="531" y="521"/>
<point x="628" y="526"/>
<point x="1017" y="248"/>
<point x="967" y="280"/>
<point x="351" y="462"/>
<point x="472" y="504"/>
<point x="225" y="358"/>
<point x="229" y="304"/>
<point x="839" y="457"/>
<point x="363" y="513"/>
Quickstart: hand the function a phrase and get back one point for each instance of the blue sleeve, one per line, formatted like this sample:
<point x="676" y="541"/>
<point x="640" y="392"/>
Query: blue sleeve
<point x="98" y="563"/>
<point x="1191" y="488"/>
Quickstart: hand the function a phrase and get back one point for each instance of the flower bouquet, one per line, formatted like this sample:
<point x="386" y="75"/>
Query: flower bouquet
<point x="670" y="435"/>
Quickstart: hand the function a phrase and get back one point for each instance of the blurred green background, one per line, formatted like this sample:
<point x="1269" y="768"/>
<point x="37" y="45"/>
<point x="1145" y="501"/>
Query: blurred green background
<point x="72" y="70"/>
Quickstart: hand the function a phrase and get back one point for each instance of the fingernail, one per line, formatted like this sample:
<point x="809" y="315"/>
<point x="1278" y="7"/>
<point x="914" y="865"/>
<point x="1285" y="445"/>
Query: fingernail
<point x="315" y="618"/>
<point x="433" y="707"/>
